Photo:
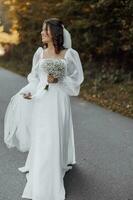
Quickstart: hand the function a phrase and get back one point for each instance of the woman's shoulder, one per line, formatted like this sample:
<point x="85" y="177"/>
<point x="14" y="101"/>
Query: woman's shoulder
<point x="72" y="52"/>
<point x="39" y="49"/>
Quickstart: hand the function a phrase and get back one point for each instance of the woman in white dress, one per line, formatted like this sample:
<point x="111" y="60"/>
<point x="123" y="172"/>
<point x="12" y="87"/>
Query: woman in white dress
<point x="38" y="118"/>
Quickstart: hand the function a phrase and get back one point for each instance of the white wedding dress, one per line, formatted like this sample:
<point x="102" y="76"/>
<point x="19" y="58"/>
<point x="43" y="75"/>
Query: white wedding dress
<point x="43" y="126"/>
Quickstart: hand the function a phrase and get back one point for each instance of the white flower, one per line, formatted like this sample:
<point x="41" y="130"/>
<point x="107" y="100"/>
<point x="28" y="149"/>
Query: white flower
<point x="55" y="68"/>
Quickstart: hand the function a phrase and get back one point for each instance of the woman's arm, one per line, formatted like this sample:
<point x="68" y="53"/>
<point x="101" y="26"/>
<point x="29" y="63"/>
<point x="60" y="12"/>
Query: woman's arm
<point x="74" y="75"/>
<point x="32" y="77"/>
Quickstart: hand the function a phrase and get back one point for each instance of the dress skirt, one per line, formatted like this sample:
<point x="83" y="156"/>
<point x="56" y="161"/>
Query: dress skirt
<point x="51" y="142"/>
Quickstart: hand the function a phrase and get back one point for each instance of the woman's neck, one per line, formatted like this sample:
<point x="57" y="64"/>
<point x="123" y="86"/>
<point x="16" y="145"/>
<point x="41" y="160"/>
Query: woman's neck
<point x="50" y="47"/>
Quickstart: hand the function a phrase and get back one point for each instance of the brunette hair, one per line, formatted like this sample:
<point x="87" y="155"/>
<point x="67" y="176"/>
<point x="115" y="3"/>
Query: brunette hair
<point x="56" y="29"/>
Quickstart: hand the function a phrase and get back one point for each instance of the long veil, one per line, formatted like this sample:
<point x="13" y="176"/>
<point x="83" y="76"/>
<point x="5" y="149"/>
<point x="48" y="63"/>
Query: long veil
<point x="67" y="38"/>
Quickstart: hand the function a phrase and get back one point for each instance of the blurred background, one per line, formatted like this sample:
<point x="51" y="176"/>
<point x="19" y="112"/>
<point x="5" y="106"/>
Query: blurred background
<point x="102" y="33"/>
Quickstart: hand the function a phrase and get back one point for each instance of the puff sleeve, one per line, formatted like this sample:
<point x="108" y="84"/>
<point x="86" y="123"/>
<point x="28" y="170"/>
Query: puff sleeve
<point x="74" y="73"/>
<point x="32" y="77"/>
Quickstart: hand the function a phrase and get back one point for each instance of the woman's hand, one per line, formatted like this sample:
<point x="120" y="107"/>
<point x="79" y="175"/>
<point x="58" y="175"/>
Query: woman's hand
<point x="27" y="96"/>
<point x="52" y="79"/>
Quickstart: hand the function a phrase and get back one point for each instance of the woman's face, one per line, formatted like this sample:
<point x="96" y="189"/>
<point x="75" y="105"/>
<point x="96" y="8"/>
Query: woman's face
<point x="46" y="35"/>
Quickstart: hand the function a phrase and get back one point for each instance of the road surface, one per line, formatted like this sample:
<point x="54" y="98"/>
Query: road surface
<point x="104" y="151"/>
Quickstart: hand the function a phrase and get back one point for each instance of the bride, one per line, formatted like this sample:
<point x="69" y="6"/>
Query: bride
<point x="38" y="118"/>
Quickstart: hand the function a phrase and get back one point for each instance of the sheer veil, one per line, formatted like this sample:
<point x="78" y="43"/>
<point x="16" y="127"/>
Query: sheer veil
<point x="67" y="38"/>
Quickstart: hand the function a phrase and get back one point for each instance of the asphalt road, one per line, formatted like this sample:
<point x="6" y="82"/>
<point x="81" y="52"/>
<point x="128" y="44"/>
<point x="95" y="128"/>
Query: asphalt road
<point x="104" y="151"/>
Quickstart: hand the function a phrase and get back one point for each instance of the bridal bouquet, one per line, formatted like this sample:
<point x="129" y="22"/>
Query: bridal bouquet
<point x="55" y="68"/>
